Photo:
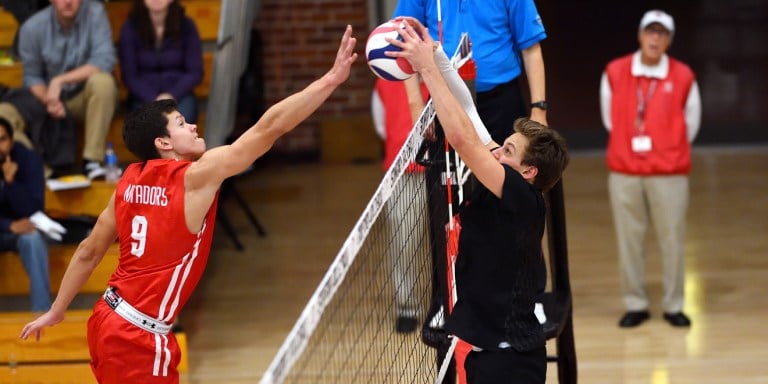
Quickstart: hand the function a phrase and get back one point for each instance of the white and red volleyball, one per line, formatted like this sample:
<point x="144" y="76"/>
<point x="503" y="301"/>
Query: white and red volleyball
<point x="383" y="66"/>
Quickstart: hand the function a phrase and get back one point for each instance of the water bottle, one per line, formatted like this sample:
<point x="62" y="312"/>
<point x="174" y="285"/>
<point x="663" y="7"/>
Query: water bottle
<point x="112" y="170"/>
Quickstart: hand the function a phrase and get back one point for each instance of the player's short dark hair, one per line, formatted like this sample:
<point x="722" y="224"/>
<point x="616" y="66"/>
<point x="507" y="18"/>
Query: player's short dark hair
<point x="546" y="151"/>
<point x="144" y="125"/>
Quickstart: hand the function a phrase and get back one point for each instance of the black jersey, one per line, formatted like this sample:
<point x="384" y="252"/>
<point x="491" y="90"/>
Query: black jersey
<point x="500" y="269"/>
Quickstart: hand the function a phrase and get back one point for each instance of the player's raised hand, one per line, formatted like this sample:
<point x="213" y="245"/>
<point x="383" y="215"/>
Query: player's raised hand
<point x="416" y="46"/>
<point x="345" y="56"/>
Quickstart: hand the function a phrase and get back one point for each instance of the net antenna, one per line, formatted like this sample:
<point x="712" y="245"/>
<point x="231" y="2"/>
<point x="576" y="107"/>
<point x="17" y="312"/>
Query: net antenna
<point x="439" y="22"/>
<point x="296" y="342"/>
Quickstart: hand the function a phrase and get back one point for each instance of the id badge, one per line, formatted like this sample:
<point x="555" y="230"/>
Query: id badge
<point x="641" y="143"/>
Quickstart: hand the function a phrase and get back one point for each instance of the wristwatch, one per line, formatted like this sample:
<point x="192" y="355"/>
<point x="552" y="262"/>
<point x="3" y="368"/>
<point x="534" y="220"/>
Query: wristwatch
<point x="540" y="105"/>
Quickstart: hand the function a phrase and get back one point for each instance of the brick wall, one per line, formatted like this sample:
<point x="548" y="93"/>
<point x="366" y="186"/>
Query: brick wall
<point x="300" y="39"/>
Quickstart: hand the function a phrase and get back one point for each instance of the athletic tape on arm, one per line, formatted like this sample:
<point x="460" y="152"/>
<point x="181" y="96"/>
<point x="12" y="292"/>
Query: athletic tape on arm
<point x="459" y="90"/>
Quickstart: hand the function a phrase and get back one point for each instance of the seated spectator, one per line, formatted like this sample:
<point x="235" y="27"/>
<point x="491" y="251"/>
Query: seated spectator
<point x="68" y="56"/>
<point x="21" y="194"/>
<point x="21" y="11"/>
<point x="161" y="55"/>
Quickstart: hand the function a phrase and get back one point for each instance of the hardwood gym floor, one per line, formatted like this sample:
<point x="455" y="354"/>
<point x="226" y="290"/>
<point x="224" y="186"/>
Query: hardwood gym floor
<point x="249" y="300"/>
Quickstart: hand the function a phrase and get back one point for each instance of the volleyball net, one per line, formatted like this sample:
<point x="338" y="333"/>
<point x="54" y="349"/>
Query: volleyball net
<point x="355" y="327"/>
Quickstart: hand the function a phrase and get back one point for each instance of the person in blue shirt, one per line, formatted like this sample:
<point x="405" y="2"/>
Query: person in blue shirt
<point x="161" y="55"/>
<point x="505" y="37"/>
<point x="21" y="194"/>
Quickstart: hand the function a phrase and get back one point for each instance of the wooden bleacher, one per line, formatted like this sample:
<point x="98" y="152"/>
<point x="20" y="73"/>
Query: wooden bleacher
<point x="62" y="355"/>
<point x="8" y="28"/>
<point x="15" y="282"/>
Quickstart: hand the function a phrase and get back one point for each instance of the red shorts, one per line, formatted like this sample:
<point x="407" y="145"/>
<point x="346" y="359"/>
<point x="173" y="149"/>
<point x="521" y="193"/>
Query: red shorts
<point x="460" y="354"/>
<point x="124" y="353"/>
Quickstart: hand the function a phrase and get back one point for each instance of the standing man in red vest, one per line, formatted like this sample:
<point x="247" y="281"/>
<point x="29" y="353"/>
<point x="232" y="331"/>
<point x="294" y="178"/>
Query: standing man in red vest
<point x="651" y="108"/>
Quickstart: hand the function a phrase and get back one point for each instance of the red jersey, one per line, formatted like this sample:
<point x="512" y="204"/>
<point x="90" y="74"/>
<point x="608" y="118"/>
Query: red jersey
<point x="161" y="262"/>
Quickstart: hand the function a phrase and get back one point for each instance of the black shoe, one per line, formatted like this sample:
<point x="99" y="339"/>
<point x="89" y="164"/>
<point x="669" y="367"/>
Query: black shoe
<point x="65" y="171"/>
<point x="435" y="337"/>
<point x="678" y="319"/>
<point x="405" y="324"/>
<point x="633" y="318"/>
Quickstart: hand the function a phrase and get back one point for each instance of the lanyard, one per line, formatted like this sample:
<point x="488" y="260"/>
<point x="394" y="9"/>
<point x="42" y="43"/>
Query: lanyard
<point x="642" y="102"/>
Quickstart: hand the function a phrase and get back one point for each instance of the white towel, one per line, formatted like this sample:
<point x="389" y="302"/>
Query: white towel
<point x="48" y="226"/>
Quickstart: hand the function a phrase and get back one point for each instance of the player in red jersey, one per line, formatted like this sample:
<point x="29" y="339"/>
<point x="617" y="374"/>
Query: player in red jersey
<point x="162" y="212"/>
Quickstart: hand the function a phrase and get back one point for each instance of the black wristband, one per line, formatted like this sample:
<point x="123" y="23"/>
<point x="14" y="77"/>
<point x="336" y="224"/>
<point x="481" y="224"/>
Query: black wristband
<point x="542" y="104"/>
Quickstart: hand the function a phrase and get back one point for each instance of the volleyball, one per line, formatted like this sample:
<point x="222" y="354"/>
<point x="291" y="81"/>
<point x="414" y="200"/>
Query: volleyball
<point x="383" y="66"/>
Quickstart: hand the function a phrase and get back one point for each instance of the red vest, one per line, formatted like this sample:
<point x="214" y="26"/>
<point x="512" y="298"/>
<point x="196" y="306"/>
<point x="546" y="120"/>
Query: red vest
<point x="664" y="119"/>
<point x="397" y="117"/>
<point x="160" y="261"/>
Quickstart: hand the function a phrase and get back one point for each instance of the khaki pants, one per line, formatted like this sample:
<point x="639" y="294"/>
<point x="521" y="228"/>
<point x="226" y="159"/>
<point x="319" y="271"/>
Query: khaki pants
<point x="635" y="200"/>
<point x="94" y="108"/>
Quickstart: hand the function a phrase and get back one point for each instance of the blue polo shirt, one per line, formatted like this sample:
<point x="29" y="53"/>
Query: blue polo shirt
<point x="498" y="30"/>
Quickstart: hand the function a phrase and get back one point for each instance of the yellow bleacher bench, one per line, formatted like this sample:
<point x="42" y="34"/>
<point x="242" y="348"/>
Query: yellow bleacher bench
<point x="8" y="27"/>
<point x="61" y="355"/>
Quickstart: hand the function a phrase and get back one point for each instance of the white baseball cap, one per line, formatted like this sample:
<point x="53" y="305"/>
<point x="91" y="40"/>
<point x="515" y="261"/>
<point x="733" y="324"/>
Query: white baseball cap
<point x="657" y="16"/>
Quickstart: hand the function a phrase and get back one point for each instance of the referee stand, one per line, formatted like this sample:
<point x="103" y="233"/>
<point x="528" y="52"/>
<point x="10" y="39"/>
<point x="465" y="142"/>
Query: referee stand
<point x="558" y="301"/>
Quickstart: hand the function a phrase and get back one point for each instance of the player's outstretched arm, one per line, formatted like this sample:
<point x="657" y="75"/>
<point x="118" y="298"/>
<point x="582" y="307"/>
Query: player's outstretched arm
<point x="88" y="255"/>
<point x="418" y="48"/>
<point x="221" y="162"/>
